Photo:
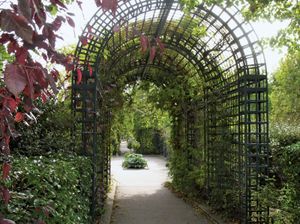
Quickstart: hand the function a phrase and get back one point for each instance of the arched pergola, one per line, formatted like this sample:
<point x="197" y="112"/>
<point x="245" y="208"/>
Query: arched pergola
<point x="227" y="58"/>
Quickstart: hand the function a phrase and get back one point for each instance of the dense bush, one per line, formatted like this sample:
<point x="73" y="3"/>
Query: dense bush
<point x="133" y="144"/>
<point x="150" y="139"/>
<point x="283" y="134"/>
<point x="186" y="162"/>
<point x="54" y="189"/>
<point x="115" y="142"/>
<point x="135" y="161"/>
<point x="282" y="192"/>
<point x="51" y="132"/>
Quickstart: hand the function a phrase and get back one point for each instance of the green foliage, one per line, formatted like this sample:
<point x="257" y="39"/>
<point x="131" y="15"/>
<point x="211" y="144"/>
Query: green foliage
<point x="49" y="133"/>
<point x="150" y="139"/>
<point x="135" y="161"/>
<point x="283" y="134"/>
<point x="186" y="162"/>
<point x="133" y="144"/>
<point x="147" y="112"/>
<point x="288" y="10"/>
<point x="115" y="138"/>
<point x="285" y="95"/>
<point x="181" y="178"/>
<point x="144" y="125"/>
<point x="123" y="123"/>
<point x="52" y="188"/>
<point x="282" y="192"/>
<point x="190" y="4"/>
<point x="4" y="57"/>
<point x="115" y="143"/>
<point x="271" y="10"/>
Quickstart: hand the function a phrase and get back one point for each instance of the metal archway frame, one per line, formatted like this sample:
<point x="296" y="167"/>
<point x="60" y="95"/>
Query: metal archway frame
<point x="229" y="60"/>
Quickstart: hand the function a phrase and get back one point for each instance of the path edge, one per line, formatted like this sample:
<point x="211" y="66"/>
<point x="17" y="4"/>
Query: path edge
<point x="109" y="203"/>
<point x="214" y="218"/>
<point x="198" y="207"/>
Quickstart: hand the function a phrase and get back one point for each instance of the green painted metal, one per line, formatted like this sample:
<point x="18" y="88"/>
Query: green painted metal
<point x="228" y="59"/>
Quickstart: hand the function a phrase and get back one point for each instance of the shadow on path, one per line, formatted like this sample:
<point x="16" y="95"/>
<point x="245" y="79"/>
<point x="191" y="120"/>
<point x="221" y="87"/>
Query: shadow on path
<point x="141" y="197"/>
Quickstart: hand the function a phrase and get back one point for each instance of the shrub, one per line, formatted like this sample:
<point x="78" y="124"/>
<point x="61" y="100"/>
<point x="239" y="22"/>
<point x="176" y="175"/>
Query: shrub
<point x="282" y="192"/>
<point x="283" y="134"/>
<point x="53" y="189"/>
<point x="151" y="141"/>
<point x="133" y="144"/>
<point x="115" y="142"/>
<point x="133" y="160"/>
<point x="51" y="132"/>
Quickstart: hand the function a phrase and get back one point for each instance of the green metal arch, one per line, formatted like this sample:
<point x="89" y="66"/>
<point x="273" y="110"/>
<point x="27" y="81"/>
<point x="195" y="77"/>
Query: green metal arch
<point x="228" y="58"/>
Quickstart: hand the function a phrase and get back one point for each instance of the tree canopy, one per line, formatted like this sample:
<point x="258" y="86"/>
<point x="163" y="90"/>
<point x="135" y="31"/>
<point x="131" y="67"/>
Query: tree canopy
<point x="285" y="90"/>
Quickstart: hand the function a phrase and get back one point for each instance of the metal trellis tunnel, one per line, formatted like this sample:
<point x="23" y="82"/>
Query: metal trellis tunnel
<point x="227" y="57"/>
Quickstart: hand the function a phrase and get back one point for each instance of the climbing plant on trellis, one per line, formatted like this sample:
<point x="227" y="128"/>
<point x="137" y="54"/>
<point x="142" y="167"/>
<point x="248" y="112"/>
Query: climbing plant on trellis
<point x="156" y="41"/>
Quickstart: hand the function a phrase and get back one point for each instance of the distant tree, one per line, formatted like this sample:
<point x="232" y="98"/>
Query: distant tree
<point x="285" y="95"/>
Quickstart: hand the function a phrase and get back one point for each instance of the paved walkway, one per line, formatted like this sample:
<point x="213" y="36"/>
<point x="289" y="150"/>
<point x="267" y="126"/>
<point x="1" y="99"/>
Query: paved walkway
<point x="142" y="199"/>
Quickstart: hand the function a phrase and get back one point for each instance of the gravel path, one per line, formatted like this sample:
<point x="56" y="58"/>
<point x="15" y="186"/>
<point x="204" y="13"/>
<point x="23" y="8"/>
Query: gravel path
<point x="142" y="199"/>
